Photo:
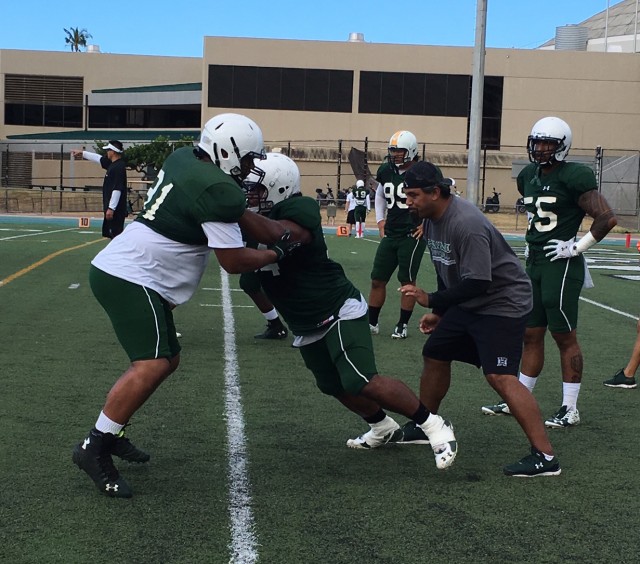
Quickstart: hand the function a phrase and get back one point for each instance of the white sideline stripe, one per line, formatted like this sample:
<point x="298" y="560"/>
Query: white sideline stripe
<point x="38" y="233"/>
<point x="222" y="305"/>
<point x="609" y="308"/>
<point x="243" y="539"/>
<point x="220" y="289"/>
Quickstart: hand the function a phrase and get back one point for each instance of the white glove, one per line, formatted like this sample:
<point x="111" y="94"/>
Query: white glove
<point x="561" y="249"/>
<point x="526" y="250"/>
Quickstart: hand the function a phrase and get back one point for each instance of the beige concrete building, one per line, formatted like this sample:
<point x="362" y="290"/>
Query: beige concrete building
<point x="318" y="99"/>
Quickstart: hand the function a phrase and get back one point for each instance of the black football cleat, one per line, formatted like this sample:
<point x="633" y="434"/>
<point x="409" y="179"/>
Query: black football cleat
<point x="275" y="330"/>
<point x="124" y="449"/>
<point x="93" y="455"/>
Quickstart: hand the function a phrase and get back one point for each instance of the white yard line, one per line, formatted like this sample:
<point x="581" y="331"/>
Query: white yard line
<point x="243" y="545"/>
<point x="609" y="308"/>
<point x="38" y="233"/>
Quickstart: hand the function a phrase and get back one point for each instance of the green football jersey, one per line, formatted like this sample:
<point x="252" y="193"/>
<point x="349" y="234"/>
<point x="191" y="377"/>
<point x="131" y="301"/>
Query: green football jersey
<point x="399" y="222"/>
<point x="553" y="200"/>
<point x="360" y="196"/>
<point x="307" y="288"/>
<point x="187" y="193"/>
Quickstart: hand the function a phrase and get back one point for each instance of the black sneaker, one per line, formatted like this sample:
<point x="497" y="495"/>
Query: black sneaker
<point x="619" y="380"/>
<point x="410" y="434"/>
<point x="123" y="448"/>
<point x="533" y="465"/>
<point x="94" y="457"/>
<point x="275" y="330"/>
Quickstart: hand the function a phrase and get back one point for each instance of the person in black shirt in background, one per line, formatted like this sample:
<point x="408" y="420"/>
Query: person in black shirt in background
<point x="114" y="186"/>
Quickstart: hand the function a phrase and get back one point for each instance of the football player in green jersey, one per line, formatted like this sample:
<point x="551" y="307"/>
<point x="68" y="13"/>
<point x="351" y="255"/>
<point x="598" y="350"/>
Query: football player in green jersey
<point x="557" y="194"/>
<point x="363" y="205"/>
<point x="402" y="246"/>
<point x="157" y="263"/>
<point x="328" y="317"/>
<point x="275" y="166"/>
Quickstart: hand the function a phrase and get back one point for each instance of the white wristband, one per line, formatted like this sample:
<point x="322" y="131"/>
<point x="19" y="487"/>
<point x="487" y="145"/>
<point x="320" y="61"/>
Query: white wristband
<point x="585" y="243"/>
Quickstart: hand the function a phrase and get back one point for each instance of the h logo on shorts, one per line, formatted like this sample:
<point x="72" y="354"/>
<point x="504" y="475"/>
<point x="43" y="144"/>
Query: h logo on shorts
<point x="501" y="361"/>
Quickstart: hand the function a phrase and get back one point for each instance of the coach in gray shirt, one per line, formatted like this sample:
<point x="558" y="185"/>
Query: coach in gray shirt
<point x="479" y="309"/>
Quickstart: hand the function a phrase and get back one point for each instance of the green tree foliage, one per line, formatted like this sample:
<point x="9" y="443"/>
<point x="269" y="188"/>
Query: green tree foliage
<point x="76" y="38"/>
<point x="148" y="157"/>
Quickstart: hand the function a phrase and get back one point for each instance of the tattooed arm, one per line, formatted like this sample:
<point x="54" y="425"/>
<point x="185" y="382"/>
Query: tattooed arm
<point x="595" y="205"/>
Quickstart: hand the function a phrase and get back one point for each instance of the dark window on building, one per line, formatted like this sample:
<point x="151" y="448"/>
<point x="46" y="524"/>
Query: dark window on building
<point x="458" y="95"/>
<point x="118" y="117"/>
<point x="435" y="95"/>
<point x="245" y="87"/>
<point x="413" y="94"/>
<point x="269" y="88"/>
<point x="52" y="101"/>
<point x="446" y="95"/>
<point x="316" y="87"/>
<point x="492" y="99"/>
<point x="340" y="90"/>
<point x="391" y="90"/>
<point x="370" y="88"/>
<point x="221" y="89"/>
<point x="292" y="96"/>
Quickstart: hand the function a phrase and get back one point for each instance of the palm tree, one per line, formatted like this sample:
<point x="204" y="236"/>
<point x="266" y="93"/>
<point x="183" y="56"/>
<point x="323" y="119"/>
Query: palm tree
<point x="76" y="38"/>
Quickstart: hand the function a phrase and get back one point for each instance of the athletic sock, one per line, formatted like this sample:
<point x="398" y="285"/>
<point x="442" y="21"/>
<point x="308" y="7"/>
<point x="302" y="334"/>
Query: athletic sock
<point x="374" y="314"/>
<point x="106" y="425"/>
<point x="570" y="395"/>
<point x="528" y="381"/>
<point x="421" y="414"/>
<point x="405" y="315"/>
<point x="271" y="315"/>
<point x="376" y="417"/>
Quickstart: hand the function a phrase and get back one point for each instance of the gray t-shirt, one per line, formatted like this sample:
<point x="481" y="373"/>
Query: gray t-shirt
<point x="464" y="244"/>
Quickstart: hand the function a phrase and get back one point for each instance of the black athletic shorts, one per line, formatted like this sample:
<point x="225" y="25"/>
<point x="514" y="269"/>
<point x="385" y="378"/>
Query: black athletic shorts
<point x="488" y="341"/>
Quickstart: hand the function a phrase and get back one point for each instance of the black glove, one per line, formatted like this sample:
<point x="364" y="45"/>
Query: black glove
<point x="284" y="246"/>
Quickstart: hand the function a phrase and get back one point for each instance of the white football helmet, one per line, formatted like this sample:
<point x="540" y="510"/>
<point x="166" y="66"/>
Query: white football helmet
<point x="406" y="141"/>
<point x="549" y="129"/>
<point x="281" y="180"/>
<point x="228" y="139"/>
<point x="359" y="183"/>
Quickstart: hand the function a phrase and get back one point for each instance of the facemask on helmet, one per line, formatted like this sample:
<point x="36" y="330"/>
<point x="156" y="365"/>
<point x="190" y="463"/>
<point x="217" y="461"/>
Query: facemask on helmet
<point x="403" y="148"/>
<point x="280" y="181"/>
<point x="550" y="131"/>
<point x="233" y="141"/>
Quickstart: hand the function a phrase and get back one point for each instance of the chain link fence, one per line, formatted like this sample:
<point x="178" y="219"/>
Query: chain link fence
<point x="42" y="178"/>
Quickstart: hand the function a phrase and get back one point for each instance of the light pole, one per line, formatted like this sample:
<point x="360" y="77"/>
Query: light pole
<point x="475" y="117"/>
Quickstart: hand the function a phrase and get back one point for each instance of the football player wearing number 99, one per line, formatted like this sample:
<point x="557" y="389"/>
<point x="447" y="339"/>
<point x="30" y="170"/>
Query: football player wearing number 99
<point x="328" y="315"/>
<point x="557" y="194"/>
<point x="401" y="246"/>
<point x="156" y="264"/>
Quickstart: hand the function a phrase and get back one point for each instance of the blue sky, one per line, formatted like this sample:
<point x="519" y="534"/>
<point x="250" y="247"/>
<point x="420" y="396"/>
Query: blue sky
<point x="177" y="28"/>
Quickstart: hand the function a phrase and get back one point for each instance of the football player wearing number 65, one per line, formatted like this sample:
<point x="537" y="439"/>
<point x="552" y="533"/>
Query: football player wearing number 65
<point x="558" y="194"/>
<point x="157" y="262"/>
<point x="402" y="246"/>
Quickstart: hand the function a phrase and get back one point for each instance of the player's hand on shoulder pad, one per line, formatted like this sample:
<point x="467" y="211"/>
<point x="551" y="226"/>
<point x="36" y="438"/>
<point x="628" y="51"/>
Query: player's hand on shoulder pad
<point x="284" y="246"/>
<point x="558" y="249"/>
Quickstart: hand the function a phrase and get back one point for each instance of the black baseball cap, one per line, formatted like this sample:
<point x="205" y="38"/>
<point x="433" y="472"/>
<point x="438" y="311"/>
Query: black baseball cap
<point x="424" y="174"/>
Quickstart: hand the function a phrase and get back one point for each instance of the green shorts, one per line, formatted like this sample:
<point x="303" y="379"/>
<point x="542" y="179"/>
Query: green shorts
<point x="556" y="291"/>
<point x="360" y="214"/>
<point x="343" y="360"/>
<point x="142" y="320"/>
<point x="403" y="253"/>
